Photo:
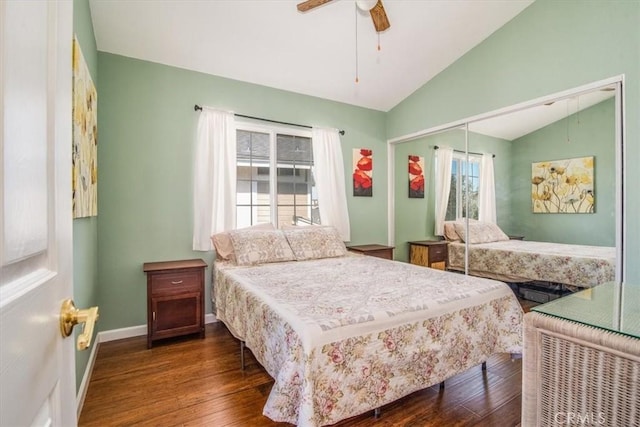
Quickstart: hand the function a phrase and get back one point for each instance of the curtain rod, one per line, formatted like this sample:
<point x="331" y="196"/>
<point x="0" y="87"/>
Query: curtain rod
<point x="199" y="108"/>
<point x="435" y="147"/>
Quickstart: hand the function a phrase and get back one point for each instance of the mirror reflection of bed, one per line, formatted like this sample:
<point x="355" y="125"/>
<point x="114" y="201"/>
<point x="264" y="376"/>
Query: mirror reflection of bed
<point x="568" y="243"/>
<point x="555" y="191"/>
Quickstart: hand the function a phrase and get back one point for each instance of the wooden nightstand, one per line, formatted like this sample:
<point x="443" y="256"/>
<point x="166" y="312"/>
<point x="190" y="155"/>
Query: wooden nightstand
<point x="175" y="298"/>
<point x="429" y="253"/>
<point x="380" y="251"/>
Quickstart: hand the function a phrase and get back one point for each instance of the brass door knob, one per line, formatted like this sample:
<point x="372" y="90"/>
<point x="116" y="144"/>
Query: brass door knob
<point x="71" y="316"/>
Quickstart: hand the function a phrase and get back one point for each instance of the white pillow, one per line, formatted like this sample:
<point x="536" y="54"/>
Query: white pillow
<point x="224" y="246"/>
<point x="253" y="246"/>
<point x="480" y="232"/>
<point x="450" y="233"/>
<point x="315" y="242"/>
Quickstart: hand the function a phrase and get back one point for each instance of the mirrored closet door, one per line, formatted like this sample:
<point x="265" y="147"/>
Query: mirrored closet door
<point x="417" y="194"/>
<point x="548" y="171"/>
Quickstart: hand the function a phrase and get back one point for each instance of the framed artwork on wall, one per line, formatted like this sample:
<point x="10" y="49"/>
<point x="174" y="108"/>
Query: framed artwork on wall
<point x="416" y="177"/>
<point x="563" y="186"/>
<point x="85" y="138"/>
<point x="362" y="172"/>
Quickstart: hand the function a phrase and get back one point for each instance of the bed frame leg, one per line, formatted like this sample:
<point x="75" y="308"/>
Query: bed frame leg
<point x="376" y="413"/>
<point x="484" y="365"/>
<point x="442" y="386"/>
<point x="242" y="355"/>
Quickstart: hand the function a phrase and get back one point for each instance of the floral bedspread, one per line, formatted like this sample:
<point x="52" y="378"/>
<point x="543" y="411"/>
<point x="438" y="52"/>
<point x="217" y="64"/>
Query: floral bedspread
<point x="345" y="335"/>
<point x="577" y="265"/>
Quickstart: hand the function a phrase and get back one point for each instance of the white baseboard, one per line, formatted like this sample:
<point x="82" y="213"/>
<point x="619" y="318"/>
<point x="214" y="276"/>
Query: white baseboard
<point x="84" y="385"/>
<point x="136" y="331"/>
<point x="122" y="333"/>
<point x="113" y="335"/>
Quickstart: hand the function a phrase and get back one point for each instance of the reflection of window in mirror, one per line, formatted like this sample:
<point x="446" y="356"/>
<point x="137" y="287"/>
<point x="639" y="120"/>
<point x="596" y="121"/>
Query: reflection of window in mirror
<point x="465" y="182"/>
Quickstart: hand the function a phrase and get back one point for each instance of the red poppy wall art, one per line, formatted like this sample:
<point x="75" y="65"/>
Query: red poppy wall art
<point x="416" y="177"/>
<point x="362" y="172"/>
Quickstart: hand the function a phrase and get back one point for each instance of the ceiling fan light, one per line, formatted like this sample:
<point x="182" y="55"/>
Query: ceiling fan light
<point x="366" y="5"/>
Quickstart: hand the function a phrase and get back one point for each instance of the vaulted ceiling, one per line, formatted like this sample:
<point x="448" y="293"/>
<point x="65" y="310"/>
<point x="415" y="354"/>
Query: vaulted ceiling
<point x="271" y="43"/>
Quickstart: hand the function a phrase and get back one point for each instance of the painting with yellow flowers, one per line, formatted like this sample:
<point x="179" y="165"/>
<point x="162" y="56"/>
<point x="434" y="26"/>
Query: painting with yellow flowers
<point x="85" y="138"/>
<point x="563" y="186"/>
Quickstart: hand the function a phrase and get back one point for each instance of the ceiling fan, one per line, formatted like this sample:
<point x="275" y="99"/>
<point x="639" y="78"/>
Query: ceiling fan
<point x="375" y="7"/>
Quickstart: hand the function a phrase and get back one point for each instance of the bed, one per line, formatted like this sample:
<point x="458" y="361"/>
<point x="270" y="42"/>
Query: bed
<point x="342" y="333"/>
<point x="492" y="254"/>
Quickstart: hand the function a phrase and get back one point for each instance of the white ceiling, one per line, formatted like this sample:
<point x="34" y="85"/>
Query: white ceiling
<point x="519" y="123"/>
<point x="268" y="42"/>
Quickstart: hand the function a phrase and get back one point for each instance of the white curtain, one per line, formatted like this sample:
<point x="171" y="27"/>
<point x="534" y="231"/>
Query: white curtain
<point x="214" y="186"/>
<point x="444" y="156"/>
<point x="330" y="180"/>
<point x="487" y="193"/>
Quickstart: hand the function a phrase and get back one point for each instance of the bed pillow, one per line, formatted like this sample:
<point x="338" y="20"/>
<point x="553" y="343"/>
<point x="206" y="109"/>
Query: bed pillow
<point x="450" y="233"/>
<point x="480" y="232"/>
<point x="224" y="246"/>
<point x="255" y="246"/>
<point x="315" y="242"/>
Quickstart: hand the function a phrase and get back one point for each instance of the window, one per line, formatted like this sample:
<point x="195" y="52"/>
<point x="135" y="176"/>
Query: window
<point x="463" y="178"/>
<point x="275" y="177"/>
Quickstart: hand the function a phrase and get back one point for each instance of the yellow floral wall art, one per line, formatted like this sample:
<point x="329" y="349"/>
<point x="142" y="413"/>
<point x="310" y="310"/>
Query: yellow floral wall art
<point x="563" y="186"/>
<point x="85" y="138"/>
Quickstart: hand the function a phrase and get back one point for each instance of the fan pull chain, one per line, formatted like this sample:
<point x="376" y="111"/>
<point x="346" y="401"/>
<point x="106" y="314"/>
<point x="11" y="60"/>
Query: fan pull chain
<point x="356" y="18"/>
<point x="567" y="120"/>
<point x="378" y="40"/>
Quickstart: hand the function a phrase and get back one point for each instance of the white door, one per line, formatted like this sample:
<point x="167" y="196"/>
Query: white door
<point x="37" y="373"/>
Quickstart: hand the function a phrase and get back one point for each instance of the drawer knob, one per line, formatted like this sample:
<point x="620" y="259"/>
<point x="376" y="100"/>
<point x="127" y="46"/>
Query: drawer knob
<point x="176" y="282"/>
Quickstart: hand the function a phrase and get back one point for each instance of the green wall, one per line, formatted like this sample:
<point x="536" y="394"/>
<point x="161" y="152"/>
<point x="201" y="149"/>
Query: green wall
<point x="85" y="230"/>
<point x="145" y="157"/>
<point x="552" y="46"/>
<point x="591" y="133"/>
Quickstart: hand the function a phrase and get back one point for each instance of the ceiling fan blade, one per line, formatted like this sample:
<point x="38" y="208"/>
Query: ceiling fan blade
<point x="379" y="17"/>
<point x="310" y="4"/>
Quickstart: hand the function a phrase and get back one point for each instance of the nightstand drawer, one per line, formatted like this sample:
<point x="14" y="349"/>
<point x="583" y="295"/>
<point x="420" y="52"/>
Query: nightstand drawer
<point x="178" y="282"/>
<point x="437" y="252"/>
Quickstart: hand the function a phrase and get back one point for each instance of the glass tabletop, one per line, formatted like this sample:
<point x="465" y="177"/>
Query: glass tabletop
<point x="609" y="306"/>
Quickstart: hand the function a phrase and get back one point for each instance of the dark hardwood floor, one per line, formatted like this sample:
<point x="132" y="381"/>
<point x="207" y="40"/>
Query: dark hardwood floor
<point x="189" y="381"/>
